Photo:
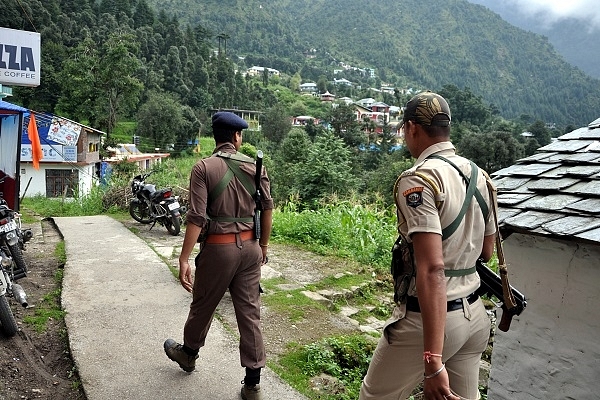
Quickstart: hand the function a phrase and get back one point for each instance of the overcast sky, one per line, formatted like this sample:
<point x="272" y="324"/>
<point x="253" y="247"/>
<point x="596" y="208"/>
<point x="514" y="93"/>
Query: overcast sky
<point x="553" y="10"/>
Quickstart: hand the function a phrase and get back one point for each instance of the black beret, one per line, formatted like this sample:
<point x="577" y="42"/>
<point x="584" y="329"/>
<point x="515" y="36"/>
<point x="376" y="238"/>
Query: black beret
<point x="227" y="120"/>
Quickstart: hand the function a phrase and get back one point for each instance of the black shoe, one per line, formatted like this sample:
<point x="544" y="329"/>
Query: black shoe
<point x="175" y="352"/>
<point x="251" y="392"/>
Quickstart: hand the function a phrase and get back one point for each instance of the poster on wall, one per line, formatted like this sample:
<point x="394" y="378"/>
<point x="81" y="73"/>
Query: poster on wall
<point x="64" y="132"/>
<point x="58" y="137"/>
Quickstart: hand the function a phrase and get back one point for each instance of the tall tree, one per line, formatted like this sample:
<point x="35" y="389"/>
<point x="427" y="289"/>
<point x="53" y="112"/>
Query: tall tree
<point x="327" y="170"/>
<point x="492" y="151"/>
<point x="160" y="119"/>
<point x="116" y="78"/>
<point x="276" y="124"/>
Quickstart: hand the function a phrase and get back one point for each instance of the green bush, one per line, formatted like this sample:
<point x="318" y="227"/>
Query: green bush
<point x="344" y="228"/>
<point x="345" y="358"/>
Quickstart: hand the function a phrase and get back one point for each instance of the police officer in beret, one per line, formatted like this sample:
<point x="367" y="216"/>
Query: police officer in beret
<point x="437" y="334"/>
<point x="221" y="213"/>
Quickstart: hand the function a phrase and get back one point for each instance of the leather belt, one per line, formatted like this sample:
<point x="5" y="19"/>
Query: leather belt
<point x="225" y="238"/>
<point x="412" y="303"/>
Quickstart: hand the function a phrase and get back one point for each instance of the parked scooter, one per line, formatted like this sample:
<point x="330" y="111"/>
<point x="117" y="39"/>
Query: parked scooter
<point x="151" y="206"/>
<point x="8" y="288"/>
<point x="13" y="237"/>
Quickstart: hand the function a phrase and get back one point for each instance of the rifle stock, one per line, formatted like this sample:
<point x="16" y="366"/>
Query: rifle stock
<point x="491" y="284"/>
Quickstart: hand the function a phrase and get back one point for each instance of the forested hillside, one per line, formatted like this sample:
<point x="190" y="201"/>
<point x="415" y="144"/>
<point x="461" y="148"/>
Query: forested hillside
<point x="124" y="68"/>
<point x="576" y="39"/>
<point x="410" y="44"/>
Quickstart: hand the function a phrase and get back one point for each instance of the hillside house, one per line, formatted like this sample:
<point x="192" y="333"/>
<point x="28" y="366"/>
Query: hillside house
<point x="259" y="71"/>
<point x="342" y="81"/>
<point x="309" y="87"/>
<point x="327" y="97"/>
<point x="130" y="153"/>
<point x="71" y="158"/>
<point x="303" y="120"/>
<point x="380" y="108"/>
<point x="550" y="221"/>
<point x="252" y="117"/>
<point x="367" y="102"/>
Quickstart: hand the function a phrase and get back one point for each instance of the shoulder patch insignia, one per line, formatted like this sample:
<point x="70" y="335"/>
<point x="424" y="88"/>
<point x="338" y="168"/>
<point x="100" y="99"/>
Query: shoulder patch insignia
<point x="414" y="196"/>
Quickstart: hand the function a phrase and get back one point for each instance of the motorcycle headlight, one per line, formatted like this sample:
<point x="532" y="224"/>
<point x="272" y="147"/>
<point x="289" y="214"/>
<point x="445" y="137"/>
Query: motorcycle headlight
<point x="6" y="261"/>
<point x="12" y="238"/>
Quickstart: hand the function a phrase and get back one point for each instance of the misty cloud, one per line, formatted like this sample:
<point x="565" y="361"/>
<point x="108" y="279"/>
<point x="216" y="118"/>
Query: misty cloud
<point x="555" y="10"/>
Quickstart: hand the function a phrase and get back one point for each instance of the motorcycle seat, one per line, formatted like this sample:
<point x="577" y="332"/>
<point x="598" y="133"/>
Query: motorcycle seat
<point x="159" y="194"/>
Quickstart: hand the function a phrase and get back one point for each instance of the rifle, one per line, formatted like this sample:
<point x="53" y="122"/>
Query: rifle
<point x="257" y="195"/>
<point x="491" y="285"/>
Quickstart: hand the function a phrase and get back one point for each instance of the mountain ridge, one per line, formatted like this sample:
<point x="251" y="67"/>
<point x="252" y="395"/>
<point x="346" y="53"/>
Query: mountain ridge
<point x="575" y="39"/>
<point x="466" y="44"/>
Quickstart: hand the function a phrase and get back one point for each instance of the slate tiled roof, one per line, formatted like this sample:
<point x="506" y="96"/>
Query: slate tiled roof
<point x="556" y="191"/>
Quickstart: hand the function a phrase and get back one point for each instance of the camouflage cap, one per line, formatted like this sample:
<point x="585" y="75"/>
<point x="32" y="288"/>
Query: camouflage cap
<point x="428" y="109"/>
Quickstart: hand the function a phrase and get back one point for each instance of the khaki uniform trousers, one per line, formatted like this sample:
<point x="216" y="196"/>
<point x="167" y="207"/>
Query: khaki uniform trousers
<point x="233" y="266"/>
<point x="397" y="365"/>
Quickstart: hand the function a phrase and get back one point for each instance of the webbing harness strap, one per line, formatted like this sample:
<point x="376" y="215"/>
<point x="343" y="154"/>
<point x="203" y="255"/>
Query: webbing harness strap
<point x="470" y="192"/>
<point x="233" y="169"/>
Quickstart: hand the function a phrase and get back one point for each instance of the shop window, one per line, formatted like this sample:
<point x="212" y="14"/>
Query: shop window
<point x="60" y="180"/>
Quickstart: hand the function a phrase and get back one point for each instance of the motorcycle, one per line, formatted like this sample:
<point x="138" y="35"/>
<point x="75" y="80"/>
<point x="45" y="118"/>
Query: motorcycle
<point x="13" y="237"/>
<point x="8" y="288"/>
<point x="151" y="206"/>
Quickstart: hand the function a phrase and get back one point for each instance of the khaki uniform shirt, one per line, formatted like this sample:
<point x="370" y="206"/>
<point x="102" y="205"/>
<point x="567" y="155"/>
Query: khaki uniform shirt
<point x="418" y="212"/>
<point x="235" y="201"/>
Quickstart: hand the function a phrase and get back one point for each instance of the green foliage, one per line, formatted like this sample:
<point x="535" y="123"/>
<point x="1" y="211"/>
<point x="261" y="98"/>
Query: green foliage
<point x="361" y="232"/>
<point x="165" y="133"/>
<point x="276" y="124"/>
<point x="49" y="306"/>
<point x="492" y="151"/>
<point x="60" y="253"/>
<point x="326" y="171"/>
<point x="379" y="183"/>
<point x="98" y="81"/>
<point x="345" y="358"/>
<point x="78" y="206"/>
<point x="293" y="303"/>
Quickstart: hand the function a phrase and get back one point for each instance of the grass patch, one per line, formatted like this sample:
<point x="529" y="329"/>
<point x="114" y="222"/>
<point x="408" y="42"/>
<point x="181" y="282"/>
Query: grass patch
<point x="292" y="303"/>
<point x="48" y="308"/>
<point x="346" y="281"/>
<point x="343" y="359"/>
<point x="347" y="229"/>
<point x="60" y="253"/>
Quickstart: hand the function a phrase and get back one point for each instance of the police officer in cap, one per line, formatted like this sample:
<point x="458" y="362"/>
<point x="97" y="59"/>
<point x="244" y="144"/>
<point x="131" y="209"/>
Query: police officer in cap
<point x="221" y="213"/>
<point x="440" y="328"/>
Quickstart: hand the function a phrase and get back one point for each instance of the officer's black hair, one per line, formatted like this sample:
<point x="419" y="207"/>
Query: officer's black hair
<point x="224" y="135"/>
<point x="436" y="131"/>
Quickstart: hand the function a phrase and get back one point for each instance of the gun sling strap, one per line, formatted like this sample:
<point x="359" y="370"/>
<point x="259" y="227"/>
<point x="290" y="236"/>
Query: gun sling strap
<point x="472" y="190"/>
<point x="233" y="162"/>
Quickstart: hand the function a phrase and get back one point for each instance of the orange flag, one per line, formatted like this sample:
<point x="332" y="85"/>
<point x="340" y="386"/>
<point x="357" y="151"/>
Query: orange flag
<point x="34" y="138"/>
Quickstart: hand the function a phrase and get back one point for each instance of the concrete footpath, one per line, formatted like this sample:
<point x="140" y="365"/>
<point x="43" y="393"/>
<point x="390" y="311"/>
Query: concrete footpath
<point x="121" y="303"/>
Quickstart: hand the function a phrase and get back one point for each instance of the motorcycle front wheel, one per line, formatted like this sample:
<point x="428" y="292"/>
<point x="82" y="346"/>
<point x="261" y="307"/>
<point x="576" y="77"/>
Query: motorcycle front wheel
<point x="172" y="224"/>
<point x="140" y="211"/>
<point x="8" y="325"/>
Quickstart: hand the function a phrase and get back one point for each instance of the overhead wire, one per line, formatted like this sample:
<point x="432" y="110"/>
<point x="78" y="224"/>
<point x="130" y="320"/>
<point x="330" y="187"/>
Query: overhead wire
<point x="27" y="15"/>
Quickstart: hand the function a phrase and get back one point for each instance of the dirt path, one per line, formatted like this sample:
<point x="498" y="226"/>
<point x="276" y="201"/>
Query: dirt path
<point x="37" y="365"/>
